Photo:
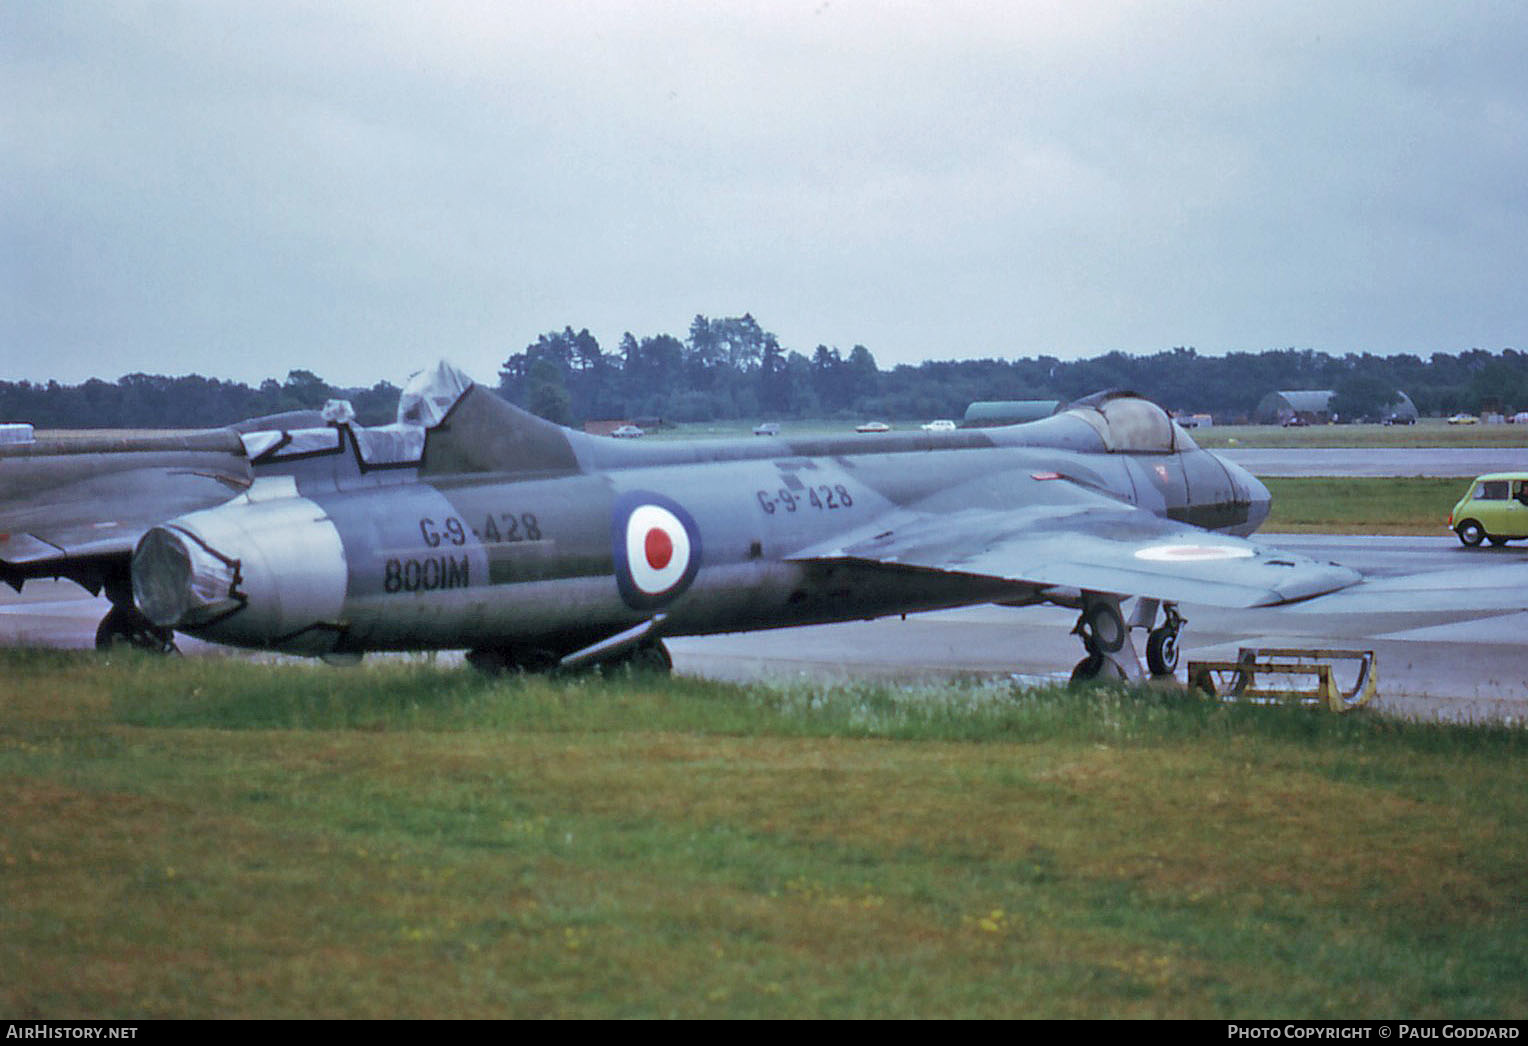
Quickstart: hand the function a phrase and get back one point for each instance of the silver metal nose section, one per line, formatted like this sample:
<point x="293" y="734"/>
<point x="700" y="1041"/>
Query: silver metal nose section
<point x="178" y="583"/>
<point x="1247" y="490"/>
<point x="1256" y="495"/>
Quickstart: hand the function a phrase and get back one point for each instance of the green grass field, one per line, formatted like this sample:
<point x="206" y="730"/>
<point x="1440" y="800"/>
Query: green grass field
<point x="1362" y="504"/>
<point x="219" y="838"/>
<point x="215" y="838"/>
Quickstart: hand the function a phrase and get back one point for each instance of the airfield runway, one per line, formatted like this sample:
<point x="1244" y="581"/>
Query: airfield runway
<point x="1432" y="663"/>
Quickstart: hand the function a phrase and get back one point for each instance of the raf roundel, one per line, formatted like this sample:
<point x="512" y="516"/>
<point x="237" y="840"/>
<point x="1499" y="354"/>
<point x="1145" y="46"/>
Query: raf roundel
<point x="1186" y="552"/>
<point x="656" y="546"/>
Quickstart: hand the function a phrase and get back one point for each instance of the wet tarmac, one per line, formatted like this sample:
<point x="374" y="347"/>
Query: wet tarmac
<point x="1438" y="658"/>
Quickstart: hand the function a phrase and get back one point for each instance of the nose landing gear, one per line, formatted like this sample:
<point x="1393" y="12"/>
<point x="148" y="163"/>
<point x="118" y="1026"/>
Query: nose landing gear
<point x="1162" y="643"/>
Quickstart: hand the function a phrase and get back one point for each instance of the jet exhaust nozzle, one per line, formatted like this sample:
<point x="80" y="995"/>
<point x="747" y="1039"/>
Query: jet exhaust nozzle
<point x="256" y="572"/>
<point x="178" y="583"/>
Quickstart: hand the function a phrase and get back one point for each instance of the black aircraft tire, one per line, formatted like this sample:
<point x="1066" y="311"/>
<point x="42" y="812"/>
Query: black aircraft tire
<point x="1162" y="651"/>
<point x="652" y="657"/>
<point x="1497" y="542"/>
<point x="1471" y="533"/>
<point x="110" y="631"/>
<point x="493" y="661"/>
<point x="1086" y="670"/>
<point x="1106" y="627"/>
<point x="123" y="626"/>
<point x="488" y="661"/>
<point x="1096" y="668"/>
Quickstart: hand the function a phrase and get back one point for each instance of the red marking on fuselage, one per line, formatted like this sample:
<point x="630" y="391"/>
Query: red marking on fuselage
<point x="659" y="548"/>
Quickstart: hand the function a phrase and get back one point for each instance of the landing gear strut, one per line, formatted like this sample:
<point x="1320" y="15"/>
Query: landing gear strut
<point x="125" y="626"/>
<point x="648" y="656"/>
<point x="1106" y="638"/>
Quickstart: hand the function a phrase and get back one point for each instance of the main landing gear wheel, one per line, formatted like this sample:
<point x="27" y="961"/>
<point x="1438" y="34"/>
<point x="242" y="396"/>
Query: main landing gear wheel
<point x="651" y="658"/>
<point x="647" y="658"/>
<point x="1097" y="668"/>
<point x="125" y="626"/>
<point x="1102" y="627"/>
<point x="1111" y="653"/>
<point x="493" y="661"/>
<point x="1106" y="638"/>
<point x="1470" y="533"/>
<point x="1497" y="542"/>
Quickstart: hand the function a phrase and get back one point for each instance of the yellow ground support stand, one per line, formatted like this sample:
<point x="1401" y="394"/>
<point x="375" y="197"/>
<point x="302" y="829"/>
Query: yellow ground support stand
<point x="1247" y="677"/>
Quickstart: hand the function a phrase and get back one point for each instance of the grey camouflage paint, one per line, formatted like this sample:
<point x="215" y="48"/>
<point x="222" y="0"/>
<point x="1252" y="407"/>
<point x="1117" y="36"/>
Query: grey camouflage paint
<point x="510" y="535"/>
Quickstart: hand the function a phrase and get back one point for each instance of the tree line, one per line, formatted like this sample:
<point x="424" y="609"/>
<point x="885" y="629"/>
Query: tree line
<point x="154" y="401"/>
<point x="732" y="368"/>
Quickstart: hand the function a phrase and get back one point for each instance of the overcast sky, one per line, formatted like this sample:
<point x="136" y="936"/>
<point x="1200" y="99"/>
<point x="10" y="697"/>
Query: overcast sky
<point x="240" y="189"/>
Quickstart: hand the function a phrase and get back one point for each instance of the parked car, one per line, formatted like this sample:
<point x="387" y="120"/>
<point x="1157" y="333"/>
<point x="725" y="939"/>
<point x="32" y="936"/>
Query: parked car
<point x="939" y="425"/>
<point x="1295" y="423"/>
<point x="1495" y="508"/>
<point x="873" y="426"/>
<point x="627" y="432"/>
<point x="1464" y="419"/>
<point x="1400" y="419"/>
<point x="768" y="428"/>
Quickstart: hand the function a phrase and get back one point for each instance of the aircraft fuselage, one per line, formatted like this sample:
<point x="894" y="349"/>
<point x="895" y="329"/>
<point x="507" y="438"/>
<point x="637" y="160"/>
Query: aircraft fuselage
<point x="604" y="536"/>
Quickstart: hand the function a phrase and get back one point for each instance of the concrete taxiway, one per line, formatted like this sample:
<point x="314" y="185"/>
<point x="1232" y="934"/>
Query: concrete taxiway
<point x="1438" y="658"/>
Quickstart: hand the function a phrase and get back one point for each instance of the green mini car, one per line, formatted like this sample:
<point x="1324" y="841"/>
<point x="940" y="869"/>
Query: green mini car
<point x="1495" y="508"/>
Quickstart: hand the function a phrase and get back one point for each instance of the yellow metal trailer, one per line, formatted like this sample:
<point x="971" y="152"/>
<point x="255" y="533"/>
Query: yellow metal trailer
<point x="1277" y="674"/>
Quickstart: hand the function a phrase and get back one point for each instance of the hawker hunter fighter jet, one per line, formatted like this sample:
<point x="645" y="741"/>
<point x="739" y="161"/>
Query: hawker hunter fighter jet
<point x="535" y="546"/>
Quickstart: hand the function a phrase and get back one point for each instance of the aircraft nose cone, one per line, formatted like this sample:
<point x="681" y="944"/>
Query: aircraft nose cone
<point x="177" y="583"/>
<point x="1259" y="501"/>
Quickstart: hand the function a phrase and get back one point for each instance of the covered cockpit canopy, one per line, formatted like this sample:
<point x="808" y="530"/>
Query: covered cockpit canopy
<point x="395" y="444"/>
<point x="426" y="399"/>
<point x="429" y="395"/>
<point x="290" y="443"/>
<point x="377" y="446"/>
<point x="1128" y="423"/>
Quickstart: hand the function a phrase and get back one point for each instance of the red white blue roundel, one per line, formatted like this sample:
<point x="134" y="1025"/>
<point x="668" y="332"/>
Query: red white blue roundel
<point x="657" y="548"/>
<point x="1189" y="552"/>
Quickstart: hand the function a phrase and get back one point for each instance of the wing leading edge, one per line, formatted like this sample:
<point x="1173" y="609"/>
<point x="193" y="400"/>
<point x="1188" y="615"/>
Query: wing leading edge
<point x="1086" y="541"/>
<point x="101" y="517"/>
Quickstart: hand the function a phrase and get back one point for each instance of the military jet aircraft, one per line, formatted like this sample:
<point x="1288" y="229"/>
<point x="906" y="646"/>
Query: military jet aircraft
<point x="535" y="546"/>
<point x="76" y="508"/>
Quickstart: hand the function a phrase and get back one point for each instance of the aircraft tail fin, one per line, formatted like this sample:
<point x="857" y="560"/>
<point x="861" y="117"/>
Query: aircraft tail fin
<point x="482" y="433"/>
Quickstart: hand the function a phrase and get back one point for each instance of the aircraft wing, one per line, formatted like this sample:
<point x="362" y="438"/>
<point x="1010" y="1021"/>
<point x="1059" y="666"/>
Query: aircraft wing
<point x="1461" y="592"/>
<point x="102" y="516"/>
<point x="1065" y="535"/>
